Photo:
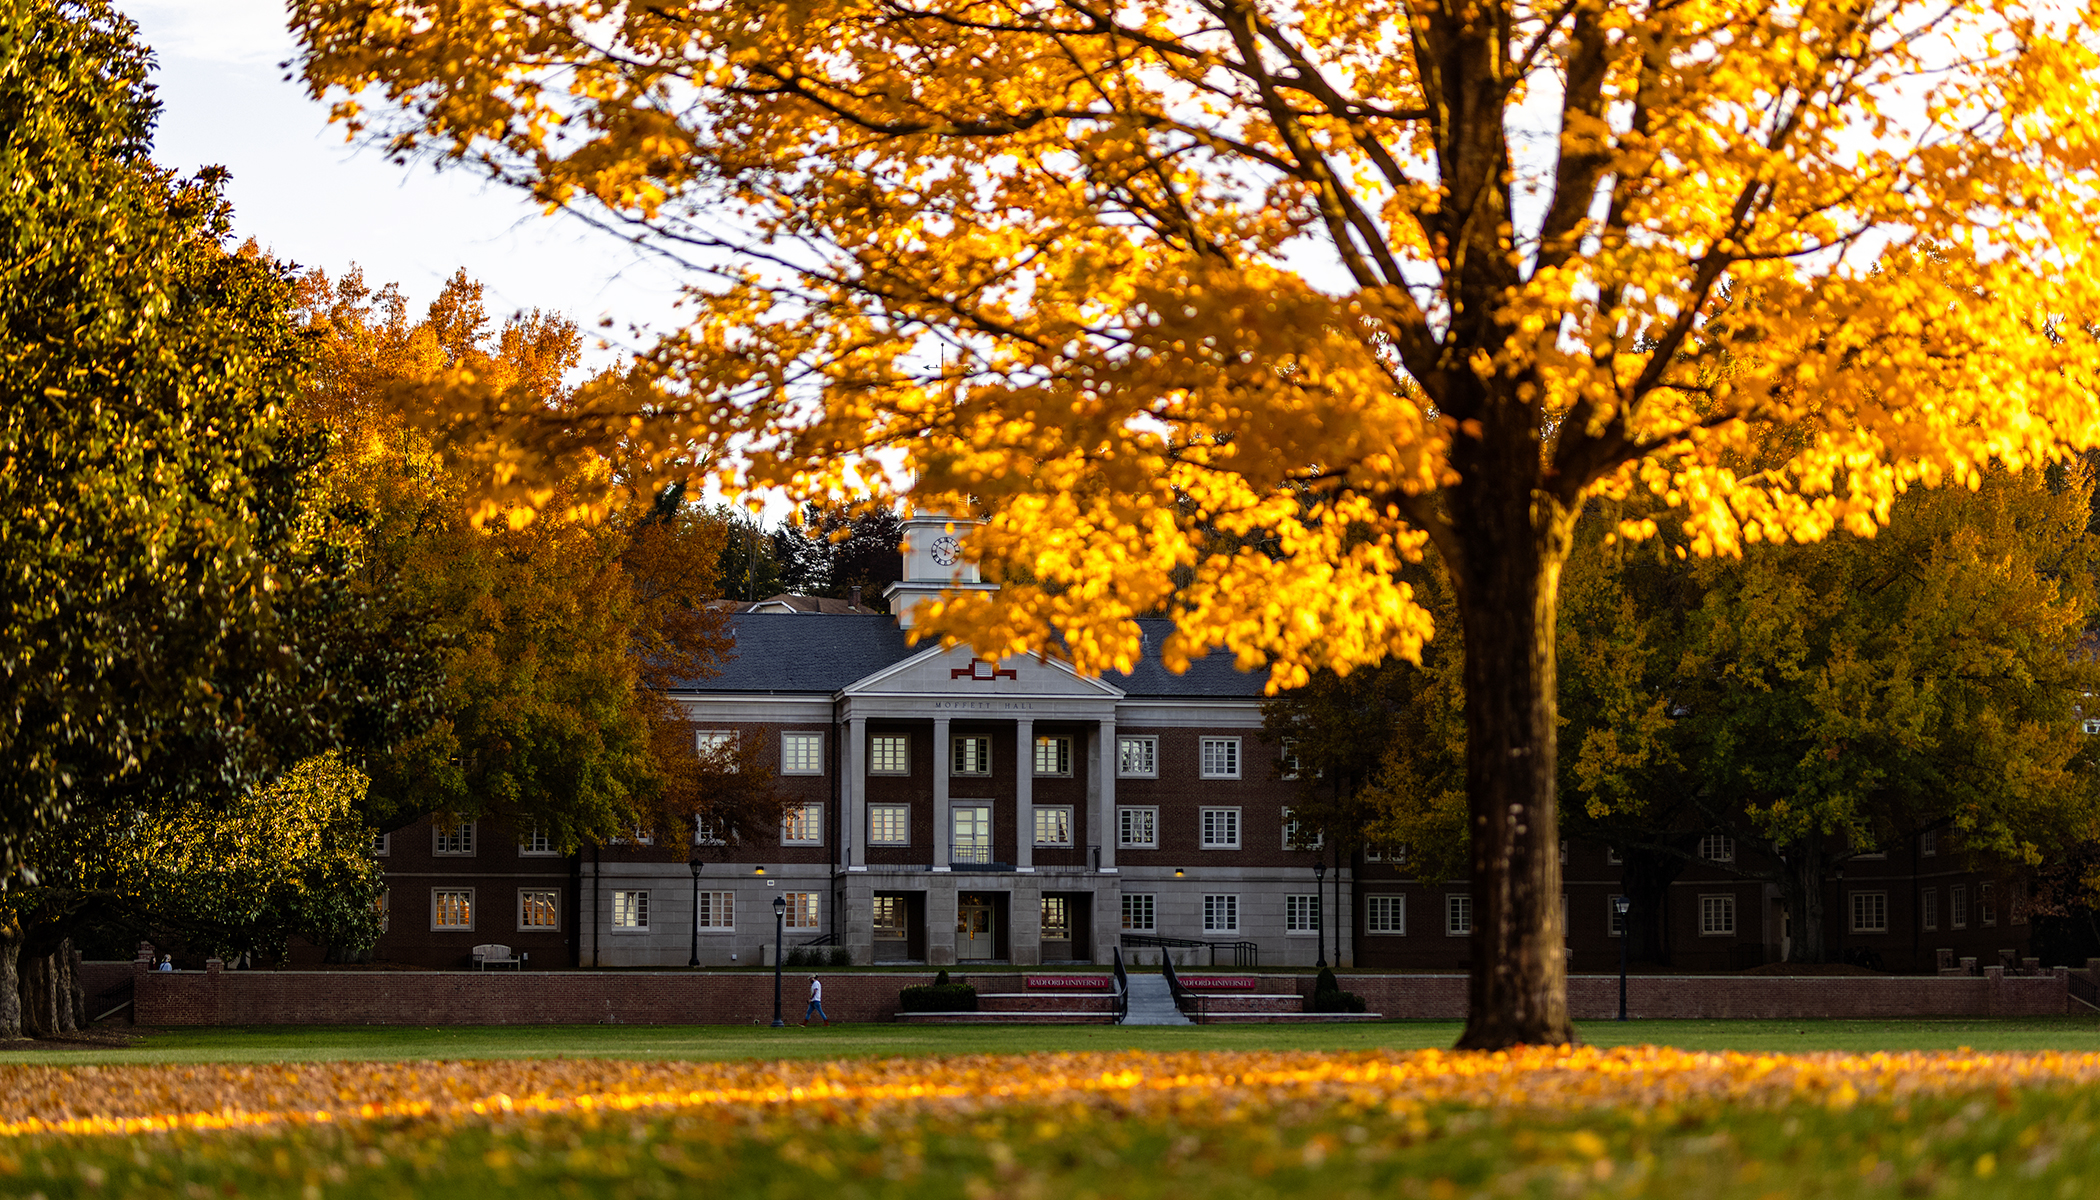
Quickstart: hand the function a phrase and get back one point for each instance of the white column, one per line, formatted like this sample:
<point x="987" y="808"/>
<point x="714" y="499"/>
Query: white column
<point x="1101" y="776"/>
<point x="943" y="824"/>
<point x="853" y="762"/>
<point x="1024" y="796"/>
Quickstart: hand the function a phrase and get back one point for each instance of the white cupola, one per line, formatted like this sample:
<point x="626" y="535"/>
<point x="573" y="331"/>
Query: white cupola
<point x="934" y="562"/>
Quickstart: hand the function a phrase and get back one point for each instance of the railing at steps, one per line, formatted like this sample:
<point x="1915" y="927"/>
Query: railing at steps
<point x="2083" y="986"/>
<point x="1122" y="988"/>
<point x="1181" y="995"/>
<point x="1244" y="954"/>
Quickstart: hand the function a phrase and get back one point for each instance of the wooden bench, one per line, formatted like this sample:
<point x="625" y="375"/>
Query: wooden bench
<point x="493" y="955"/>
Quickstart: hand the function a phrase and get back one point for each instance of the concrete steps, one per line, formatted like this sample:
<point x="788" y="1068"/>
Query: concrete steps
<point x="1152" y="1002"/>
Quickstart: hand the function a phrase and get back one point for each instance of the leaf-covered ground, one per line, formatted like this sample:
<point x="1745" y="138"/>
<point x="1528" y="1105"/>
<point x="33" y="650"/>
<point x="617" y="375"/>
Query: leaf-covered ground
<point x="1626" y="1122"/>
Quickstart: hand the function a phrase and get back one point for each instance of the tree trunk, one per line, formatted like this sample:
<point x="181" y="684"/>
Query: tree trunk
<point x="10" y="982"/>
<point x="1508" y="585"/>
<point x="66" y="991"/>
<point x="1803" y="889"/>
<point x="38" y="1020"/>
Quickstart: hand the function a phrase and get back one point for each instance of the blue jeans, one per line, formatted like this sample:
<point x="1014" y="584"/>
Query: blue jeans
<point x="817" y="1007"/>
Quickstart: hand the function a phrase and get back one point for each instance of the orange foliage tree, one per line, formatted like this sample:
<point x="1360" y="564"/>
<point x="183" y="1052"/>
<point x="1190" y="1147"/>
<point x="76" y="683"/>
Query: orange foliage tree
<point x="1332" y="280"/>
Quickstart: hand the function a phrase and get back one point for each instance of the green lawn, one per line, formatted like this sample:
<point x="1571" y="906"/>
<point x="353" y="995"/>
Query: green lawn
<point x="271" y="1043"/>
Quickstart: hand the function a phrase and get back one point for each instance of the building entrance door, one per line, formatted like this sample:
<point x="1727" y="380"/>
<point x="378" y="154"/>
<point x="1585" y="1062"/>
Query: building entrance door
<point x="974" y="936"/>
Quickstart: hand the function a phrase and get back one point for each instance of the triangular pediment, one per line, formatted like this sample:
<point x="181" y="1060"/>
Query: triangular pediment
<point x="957" y="671"/>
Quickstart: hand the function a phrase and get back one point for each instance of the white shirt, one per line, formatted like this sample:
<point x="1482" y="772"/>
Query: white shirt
<point x="816" y="991"/>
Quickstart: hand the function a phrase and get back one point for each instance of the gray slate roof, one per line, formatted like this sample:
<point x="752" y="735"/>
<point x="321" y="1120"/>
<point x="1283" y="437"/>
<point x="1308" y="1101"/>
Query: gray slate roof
<point x="821" y="653"/>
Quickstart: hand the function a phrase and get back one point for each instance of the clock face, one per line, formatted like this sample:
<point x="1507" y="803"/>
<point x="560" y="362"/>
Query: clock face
<point x="946" y="550"/>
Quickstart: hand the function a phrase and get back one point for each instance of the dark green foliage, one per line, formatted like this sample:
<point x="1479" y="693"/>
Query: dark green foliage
<point x="176" y="620"/>
<point x="942" y="996"/>
<point x="841" y="957"/>
<point x="1328" y="996"/>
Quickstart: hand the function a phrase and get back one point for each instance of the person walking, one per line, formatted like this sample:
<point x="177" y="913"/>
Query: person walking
<point x="816" y="1002"/>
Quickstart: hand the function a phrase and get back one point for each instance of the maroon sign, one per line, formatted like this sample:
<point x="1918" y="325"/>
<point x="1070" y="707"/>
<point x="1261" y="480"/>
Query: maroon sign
<point x="1220" y="983"/>
<point x="1067" y="983"/>
<point x="984" y="671"/>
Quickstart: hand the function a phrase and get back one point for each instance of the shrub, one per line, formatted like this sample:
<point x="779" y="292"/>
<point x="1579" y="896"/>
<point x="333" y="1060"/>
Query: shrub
<point x="1328" y="996"/>
<point x="797" y="957"/>
<point x="941" y="980"/>
<point x="938" y="997"/>
<point x="841" y="957"/>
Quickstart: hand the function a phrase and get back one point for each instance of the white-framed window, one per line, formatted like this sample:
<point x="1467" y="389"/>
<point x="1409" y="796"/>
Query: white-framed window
<point x="2090" y="724"/>
<point x="710" y="743"/>
<point x="717" y="911"/>
<point x="1220" y="758"/>
<point x="635" y="836"/>
<point x="1221" y="828"/>
<point x="1295" y="838"/>
<point x="1986" y="905"/>
<point x="802" y="824"/>
<point x="970" y="754"/>
<point x="1385" y="915"/>
<point x="972" y="825"/>
<point x="889" y="754"/>
<point x="801" y="909"/>
<point x="382" y="845"/>
<point x="1614" y="920"/>
<point x="706" y="833"/>
<point x="1395" y="854"/>
<point x="1140" y="913"/>
<point x="1221" y="914"/>
<point x="1053" y="755"/>
<point x="1929" y="908"/>
<point x="1137" y="757"/>
<point x="1929" y="843"/>
<point x="452" y="908"/>
<point x="1716" y="916"/>
<point x="450" y="839"/>
<point x="1287" y="758"/>
<point x="1871" y="854"/>
<point x="1958" y="906"/>
<point x="539" y="910"/>
<point x="1053" y="825"/>
<point x="1458" y="915"/>
<point x="1137" y="828"/>
<point x="889" y="824"/>
<point x="1717" y="847"/>
<point x="630" y="911"/>
<point x="1301" y="914"/>
<point x="1612" y="857"/>
<point x="385" y="905"/>
<point x="891" y="918"/>
<point x="1870" y="912"/>
<point x="1057" y="919"/>
<point x="801" y="754"/>
<point x="536" y="844"/>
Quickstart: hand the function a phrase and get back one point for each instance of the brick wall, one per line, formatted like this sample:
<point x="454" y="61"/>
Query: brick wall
<point x="1711" y="997"/>
<point x="500" y="997"/>
<point x="726" y="998"/>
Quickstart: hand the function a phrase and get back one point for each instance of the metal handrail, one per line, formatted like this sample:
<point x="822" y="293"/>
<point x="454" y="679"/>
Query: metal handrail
<point x="1244" y="954"/>
<point x="1122" y="988"/>
<point x="1166" y="967"/>
<point x="2083" y="987"/>
<point x="822" y="939"/>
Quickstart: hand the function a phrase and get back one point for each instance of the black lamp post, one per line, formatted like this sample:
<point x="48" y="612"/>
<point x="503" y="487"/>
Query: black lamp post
<point x="1620" y="906"/>
<point x="1319" y="918"/>
<point x="694" y="959"/>
<point x="780" y="909"/>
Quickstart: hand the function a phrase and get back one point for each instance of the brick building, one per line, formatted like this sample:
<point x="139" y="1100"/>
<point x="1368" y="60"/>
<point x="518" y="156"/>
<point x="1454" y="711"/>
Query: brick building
<point x="950" y="810"/>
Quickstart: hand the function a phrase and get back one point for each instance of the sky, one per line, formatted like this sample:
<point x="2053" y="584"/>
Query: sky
<point x="309" y="197"/>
